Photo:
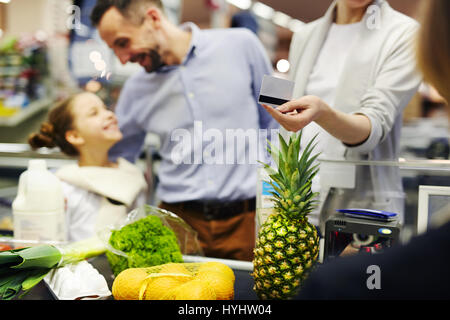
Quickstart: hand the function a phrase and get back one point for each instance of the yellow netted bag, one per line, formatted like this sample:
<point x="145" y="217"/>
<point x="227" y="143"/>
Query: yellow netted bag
<point x="176" y="281"/>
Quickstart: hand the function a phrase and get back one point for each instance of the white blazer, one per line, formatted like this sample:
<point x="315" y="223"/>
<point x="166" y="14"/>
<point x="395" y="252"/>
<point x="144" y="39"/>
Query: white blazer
<point x="378" y="80"/>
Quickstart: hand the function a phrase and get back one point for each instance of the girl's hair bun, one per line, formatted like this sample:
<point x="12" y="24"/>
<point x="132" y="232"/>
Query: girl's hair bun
<point x="43" y="138"/>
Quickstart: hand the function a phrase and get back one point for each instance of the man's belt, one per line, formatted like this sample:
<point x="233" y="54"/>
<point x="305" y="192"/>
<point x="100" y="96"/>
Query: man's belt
<point x="215" y="210"/>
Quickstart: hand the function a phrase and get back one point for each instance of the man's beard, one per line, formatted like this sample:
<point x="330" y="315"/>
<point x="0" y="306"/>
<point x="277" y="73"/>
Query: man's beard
<point x="156" y="61"/>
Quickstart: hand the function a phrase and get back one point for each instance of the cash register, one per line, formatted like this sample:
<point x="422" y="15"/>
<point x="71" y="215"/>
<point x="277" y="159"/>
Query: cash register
<point x="364" y="230"/>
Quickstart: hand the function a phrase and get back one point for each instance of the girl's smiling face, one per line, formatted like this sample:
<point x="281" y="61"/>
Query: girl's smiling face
<point x="94" y="125"/>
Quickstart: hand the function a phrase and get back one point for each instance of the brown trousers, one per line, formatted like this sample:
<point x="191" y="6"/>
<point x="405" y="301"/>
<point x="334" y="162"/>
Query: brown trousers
<point x="231" y="238"/>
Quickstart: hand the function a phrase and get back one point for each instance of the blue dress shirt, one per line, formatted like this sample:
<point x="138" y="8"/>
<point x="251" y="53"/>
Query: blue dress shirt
<point x="212" y="93"/>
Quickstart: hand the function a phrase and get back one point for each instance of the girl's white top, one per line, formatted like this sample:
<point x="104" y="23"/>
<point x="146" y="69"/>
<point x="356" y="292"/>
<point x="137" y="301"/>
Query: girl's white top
<point x="89" y="191"/>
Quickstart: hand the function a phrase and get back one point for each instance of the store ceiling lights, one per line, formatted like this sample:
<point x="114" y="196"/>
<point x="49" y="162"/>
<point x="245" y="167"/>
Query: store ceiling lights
<point x="241" y="4"/>
<point x="295" y="25"/>
<point x="264" y="11"/>
<point x="283" y="65"/>
<point x="281" y="19"/>
<point x="5" y="1"/>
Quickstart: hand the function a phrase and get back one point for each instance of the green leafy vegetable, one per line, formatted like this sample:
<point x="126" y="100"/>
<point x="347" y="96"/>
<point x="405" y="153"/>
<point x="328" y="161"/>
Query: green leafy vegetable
<point x="146" y="242"/>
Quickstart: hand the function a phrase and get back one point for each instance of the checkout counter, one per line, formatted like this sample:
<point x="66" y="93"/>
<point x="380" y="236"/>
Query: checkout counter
<point x="243" y="287"/>
<point x="14" y="159"/>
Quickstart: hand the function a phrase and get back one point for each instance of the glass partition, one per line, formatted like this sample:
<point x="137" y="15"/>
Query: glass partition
<point x="409" y="175"/>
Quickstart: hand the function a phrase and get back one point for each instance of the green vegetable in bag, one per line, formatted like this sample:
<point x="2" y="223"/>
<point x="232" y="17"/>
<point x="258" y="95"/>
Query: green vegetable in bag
<point x="146" y="242"/>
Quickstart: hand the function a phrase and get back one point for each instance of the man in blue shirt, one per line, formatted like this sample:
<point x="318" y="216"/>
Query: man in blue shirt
<point x="198" y="92"/>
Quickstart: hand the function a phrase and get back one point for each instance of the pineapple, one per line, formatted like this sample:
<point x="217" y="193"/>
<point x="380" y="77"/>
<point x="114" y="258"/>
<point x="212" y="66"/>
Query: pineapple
<point x="287" y="245"/>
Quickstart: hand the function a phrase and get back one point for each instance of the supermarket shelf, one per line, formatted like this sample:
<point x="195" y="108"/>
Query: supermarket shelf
<point x="26" y="113"/>
<point x="17" y="155"/>
<point x="22" y="163"/>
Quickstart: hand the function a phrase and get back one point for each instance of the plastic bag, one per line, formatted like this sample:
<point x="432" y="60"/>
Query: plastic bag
<point x="77" y="281"/>
<point x="186" y="236"/>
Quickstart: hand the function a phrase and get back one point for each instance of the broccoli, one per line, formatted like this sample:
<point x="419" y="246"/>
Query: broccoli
<point x="147" y="242"/>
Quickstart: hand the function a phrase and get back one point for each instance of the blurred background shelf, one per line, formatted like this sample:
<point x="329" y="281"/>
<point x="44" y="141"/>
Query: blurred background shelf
<point x="26" y="113"/>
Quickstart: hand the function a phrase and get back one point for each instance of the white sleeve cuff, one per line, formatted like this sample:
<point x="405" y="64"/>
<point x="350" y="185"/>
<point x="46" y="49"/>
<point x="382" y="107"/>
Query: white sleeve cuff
<point x="374" y="138"/>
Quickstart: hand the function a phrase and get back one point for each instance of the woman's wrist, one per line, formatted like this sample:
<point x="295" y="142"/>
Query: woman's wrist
<point x="351" y="129"/>
<point x="325" y="115"/>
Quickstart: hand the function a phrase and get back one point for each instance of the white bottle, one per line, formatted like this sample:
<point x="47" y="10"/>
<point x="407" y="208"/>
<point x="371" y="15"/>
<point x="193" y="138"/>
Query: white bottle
<point x="38" y="209"/>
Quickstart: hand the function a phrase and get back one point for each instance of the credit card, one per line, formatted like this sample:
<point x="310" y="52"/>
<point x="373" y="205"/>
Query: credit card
<point x="370" y="217"/>
<point x="369" y="213"/>
<point x="275" y="91"/>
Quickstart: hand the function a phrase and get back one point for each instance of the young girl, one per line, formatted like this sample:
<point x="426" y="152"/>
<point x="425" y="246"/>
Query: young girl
<point x="98" y="192"/>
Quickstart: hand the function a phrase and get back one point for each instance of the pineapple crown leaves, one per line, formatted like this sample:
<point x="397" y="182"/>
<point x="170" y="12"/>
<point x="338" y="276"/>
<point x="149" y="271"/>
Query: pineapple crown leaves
<point x="292" y="181"/>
